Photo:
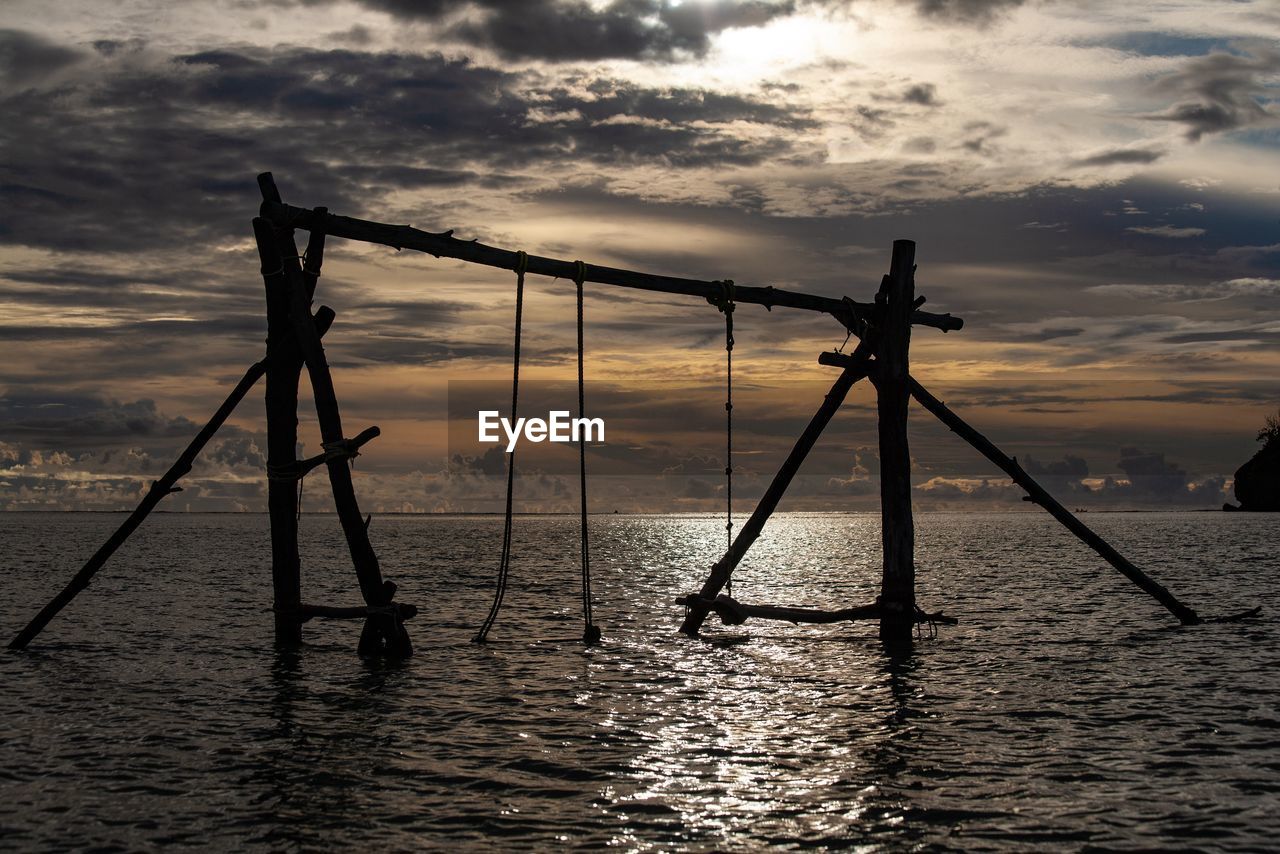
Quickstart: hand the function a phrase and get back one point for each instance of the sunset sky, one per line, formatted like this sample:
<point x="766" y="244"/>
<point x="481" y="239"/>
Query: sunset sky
<point x="1093" y="186"/>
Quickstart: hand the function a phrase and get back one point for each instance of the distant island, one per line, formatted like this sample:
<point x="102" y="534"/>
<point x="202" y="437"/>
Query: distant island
<point x="1257" y="485"/>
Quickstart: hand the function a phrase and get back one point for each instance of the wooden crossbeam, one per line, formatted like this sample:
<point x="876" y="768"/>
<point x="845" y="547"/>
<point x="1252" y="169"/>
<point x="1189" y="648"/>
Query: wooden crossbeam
<point x="402" y="610"/>
<point x="444" y="245"/>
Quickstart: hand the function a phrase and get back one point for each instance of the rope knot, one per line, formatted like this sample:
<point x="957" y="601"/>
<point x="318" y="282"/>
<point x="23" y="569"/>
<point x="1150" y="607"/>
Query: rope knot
<point x="339" y="449"/>
<point x="579" y="272"/>
<point x="724" y="301"/>
<point x="522" y="263"/>
<point x="288" y="471"/>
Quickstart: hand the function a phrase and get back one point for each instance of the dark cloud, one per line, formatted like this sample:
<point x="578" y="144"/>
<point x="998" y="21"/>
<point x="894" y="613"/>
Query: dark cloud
<point x="140" y="157"/>
<point x="491" y="463"/>
<point x="979" y="135"/>
<point x="1060" y="477"/>
<point x="570" y="30"/>
<point x="1151" y="471"/>
<point x="968" y="11"/>
<point x="871" y="123"/>
<point x="238" y="452"/>
<point x="1170" y="231"/>
<point x="357" y="36"/>
<point x="1120" y="156"/>
<point x="26" y="58"/>
<point x="1051" y="333"/>
<point x="1253" y="334"/>
<point x="58" y="420"/>
<point x="924" y="94"/>
<point x="1146" y="479"/>
<point x="1150" y="476"/>
<point x="698" y="489"/>
<point x="1222" y="92"/>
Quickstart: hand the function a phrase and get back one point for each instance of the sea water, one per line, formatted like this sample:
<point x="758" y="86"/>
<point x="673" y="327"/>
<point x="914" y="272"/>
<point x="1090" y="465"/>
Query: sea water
<point x="1065" y="710"/>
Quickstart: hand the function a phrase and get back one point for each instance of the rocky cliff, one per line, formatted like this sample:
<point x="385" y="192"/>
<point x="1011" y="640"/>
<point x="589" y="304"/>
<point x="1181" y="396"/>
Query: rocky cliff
<point x="1258" y="481"/>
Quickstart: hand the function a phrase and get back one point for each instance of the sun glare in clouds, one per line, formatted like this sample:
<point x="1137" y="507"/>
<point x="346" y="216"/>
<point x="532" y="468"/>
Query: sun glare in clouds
<point x="755" y="54"/>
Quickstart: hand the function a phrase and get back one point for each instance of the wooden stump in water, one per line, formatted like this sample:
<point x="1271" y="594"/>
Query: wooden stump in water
<point x="893" y="340"/>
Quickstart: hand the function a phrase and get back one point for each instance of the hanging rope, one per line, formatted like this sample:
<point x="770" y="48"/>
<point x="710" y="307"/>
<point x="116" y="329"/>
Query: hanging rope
<point x="504" y="563"/>
<point x="726" y="307"/>
<point x="590" y="632"/>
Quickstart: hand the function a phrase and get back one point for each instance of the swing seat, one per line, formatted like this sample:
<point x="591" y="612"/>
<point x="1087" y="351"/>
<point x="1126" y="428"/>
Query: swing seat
<point x="734" y="613"/>
<point x="729" y="610"/>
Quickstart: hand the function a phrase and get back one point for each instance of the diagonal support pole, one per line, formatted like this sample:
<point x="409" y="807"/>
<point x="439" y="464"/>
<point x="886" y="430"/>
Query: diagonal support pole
<point x="858" y="368"/>
<point x="1038" y="495"/>
<point x="159" y="489"/>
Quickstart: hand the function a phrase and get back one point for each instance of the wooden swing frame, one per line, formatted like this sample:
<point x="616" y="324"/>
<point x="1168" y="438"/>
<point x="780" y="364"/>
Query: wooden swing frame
<point x="294" y="334"/>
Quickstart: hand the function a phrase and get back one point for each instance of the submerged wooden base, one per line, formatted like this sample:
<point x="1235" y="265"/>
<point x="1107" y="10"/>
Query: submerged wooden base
<point x="734" y="613"/>
<point x="402" y="610"/>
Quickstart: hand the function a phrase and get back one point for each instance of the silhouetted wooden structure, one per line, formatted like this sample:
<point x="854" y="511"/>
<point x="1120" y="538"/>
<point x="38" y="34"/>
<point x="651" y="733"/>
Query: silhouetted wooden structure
<point x="294" y="334"/>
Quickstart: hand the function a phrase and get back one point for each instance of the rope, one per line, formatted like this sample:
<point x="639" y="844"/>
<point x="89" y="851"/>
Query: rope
<point x="590" y="632"/>
<point x="304" y="261"/>
<point x="339" y="449"/>
<point x="726" y="307"/>
<point x="504" y="563"/>
<point x="286" y="472"/>
<point x="923" y="619"/>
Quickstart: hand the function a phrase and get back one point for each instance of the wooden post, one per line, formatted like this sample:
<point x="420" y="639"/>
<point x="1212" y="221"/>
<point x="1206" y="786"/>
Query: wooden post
<point x="384" y="632"/>
<point x="893" y="341"/>
<point x="159" y="489"/>
<point x="282" y="441"/>
<point x="283" y="373"/>
<point x="720" y="573"/>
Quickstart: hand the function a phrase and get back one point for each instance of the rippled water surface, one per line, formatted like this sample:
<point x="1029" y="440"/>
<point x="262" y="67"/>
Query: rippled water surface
<point x="1063" y="711"/>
